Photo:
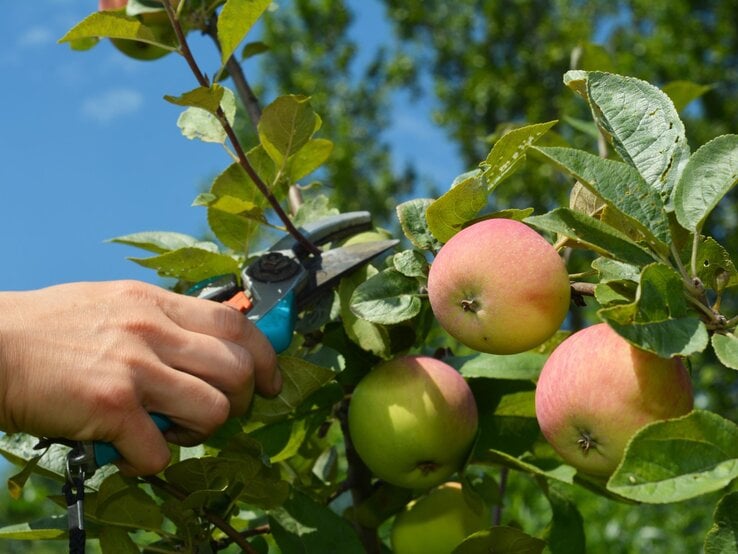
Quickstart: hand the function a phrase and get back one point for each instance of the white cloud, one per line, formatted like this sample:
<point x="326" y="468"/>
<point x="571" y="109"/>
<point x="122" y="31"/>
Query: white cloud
<point x="36" y="36"/>
<point x="112" y="104"/>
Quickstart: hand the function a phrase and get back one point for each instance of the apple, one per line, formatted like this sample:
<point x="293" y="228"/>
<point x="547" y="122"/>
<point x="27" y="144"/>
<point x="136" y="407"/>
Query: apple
<point x="437" y="522"/>
<point x="157" y="21"/>
<point x="498" y="286"/>
<point x="412" y="420"/>
<point x="596" y="390"/>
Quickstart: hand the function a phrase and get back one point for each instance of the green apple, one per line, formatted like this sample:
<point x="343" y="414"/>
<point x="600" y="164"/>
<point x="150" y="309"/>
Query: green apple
<point x="157" y="21"/>
<point x="412" y="420"/>
<point x="596" y="390"/>
<point x="497" y="286"/>
<point x="437" y="522"/>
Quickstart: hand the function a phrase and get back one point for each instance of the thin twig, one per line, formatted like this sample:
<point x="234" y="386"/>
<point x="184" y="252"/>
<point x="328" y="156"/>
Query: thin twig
<point x="497" y="517"/>
<point x="233" y="138"/>
<point x="216" y="520"/>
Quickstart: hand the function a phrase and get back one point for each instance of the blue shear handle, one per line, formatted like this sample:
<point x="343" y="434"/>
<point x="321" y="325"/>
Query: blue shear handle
<point x="277" y="324"/>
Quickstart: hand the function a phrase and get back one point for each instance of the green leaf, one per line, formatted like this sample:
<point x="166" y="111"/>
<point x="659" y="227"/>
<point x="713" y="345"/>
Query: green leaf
<point x="43" y="529"/>
<point x="723" y="536"/>
<point x="286" y="125"/>
<point x="715" y="267"/>
<point x="115" y="539"/>
<point x="613" y="270"/>
<point x="114" y="24"/>
<point x="549" y="468"/>
<point x="411" y="263"/>
<point x="190" y="264"/>
<point x="370" y="337"/>
<point x="123" y="503"/>
<point x="206" y="98"/>
<point x="158" y="242"/>
<point x="726" y="349"/>
<point x="308" y="158"/>
<point x="198" y="123"/>
<point x="683" y="93"/>
<point x="710" y="173"/>
<point x="235" y="21"/>
<point x="565" y="533"/>
<point x="387" y="298"/>
<point x="449" y="213"/>
<point x="300" y="379"/>
<point x="659" y="319"/>
<point x="593" y="234"/>
<point x="500" y="540"/>
<point x="414" y="224"/>
<point x="509" y="152"/>
<point x="525" y="366"/>
<point x="620" y="186"/>
<point x="643" y="125"/>
<point x="304" y="526"/>
<point x="677" y="459"/>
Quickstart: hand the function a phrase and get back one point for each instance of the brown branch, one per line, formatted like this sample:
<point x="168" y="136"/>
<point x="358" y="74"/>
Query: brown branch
<point x="233" y="138"/>
<point x="359" y="480"/>
<point x="215" y="519"/>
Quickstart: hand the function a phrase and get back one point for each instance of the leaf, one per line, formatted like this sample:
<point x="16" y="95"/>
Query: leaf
<point x="43" y="529"/>
<point x="17" y="481"/>
<point x="683" y="93"/>
<point x="411" y="263"/>
<point x="304" y="526"/>
<point x="500" y="540"/>
<point x="235" y="21"/>
<point x="206" y="98"/>
<point x="659" y="320"/>
<point x="449" y="213"/>
<point x="726" y="349"/>
<point x="590" y="233"/>
<point x="309" y="157"/>
<point x="125" y="504"/>
<point x="114" y="24"/>
<point x="619" y="185"/>
<point x="613" y="270"/>
<point x="509" y="151"/>
<point x="525" y="366"/>
<point x="190" y="264"/>
<point x="286" y="125"/>
<point x="115" y="539"/>
<point x="197" y="123"/>
<point x="549" y="468"/>
<point x="708" y="176"/>
<point x="677" y="459"/>
<point x="715" y="267"/>
<point x="370" y="337"/>
<point x="387" y="298"/>
<point x="412" y="217"/>
<point x="643" y="125"/>
<point x="565" y="533"/>
<point x="723" y="536"/>
<point x="158" y="242"/>
<point x="300" y="379"/>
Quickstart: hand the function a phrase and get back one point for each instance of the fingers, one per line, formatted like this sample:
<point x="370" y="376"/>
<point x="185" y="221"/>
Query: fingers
<point x="143" y="448"/>
<point x="217" y="320"/>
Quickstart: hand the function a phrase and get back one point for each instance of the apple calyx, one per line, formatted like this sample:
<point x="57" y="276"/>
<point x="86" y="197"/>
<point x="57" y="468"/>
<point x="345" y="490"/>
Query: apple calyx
<point x="586" y="441"/>
<point x="427" y="467"/>
<point x="470" y="305"/>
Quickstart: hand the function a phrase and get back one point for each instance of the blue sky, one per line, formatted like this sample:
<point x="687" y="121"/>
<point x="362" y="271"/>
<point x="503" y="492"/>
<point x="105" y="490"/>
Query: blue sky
<point x="90" y="151"/>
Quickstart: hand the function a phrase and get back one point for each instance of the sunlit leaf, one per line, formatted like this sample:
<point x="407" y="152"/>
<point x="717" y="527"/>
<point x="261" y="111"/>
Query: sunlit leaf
<point x="677" y="459"/>
<point x="455" y="208"/>
<point x="414" y="224"/>
<point x="235" y="21"/>
<point x="723" y="536"/>
<point x="726" y="349"/>
<point x="710" y="173"/>
<point x="683" y="93"/>
<point x="286" y="126"/>
<point x="190" y="264"/>
<point x="387" y="298"/>
<point x="115" y="24"/>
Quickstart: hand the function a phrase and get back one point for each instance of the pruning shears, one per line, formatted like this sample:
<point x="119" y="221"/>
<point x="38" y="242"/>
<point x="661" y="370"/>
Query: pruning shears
<point x="271" y="291"/>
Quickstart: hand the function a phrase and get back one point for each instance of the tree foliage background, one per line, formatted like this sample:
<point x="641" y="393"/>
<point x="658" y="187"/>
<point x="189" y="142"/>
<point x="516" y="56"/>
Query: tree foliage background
<point x="485" y="66"/>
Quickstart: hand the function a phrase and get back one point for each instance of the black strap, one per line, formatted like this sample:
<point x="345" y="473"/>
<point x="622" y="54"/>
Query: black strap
<point x="74" y="492"/>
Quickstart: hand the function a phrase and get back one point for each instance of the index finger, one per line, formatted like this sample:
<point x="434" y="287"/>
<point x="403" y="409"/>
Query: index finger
<point x="224" y="322"/>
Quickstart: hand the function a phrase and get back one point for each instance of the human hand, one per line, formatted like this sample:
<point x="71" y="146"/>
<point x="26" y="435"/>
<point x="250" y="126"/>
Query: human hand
<point x="90" y="361"/>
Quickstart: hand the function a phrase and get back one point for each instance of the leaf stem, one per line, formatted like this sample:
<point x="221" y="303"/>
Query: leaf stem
<point x="497" y="516"/>
<point x="216" y="520"/>
<point x="233" y="138"/>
